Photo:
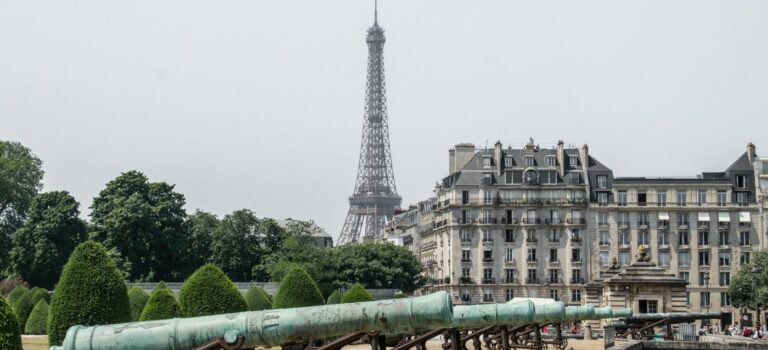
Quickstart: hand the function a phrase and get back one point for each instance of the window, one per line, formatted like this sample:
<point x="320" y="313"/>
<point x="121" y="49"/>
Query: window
<point x="661" y="198"/>
<point x="703" y="238"/>
<point x="604" y="259"/>
<point x="465" y="255"/>
<point x="624" y="258"/>
<point x="487" y="294"/>
<point x="487" y="255"/>
<point x="575" y="236"/>
<point x="530" y="235"/>
<point x="510" y="275"/>
<point x="576" y="295"/>
<point x="487" y="162"/>
<point x="642" y="238"/>
<point x="602" y="199"/>
<point x="553" y="294"/>
<point x="623" y="219"/>
<point x="701" y="197"/>
<point x="705" y="299"/>
<point x="553" y="255"/>
<point x="553" y="276"/>
<point x="532" y="254"/>
<point x="742" y="198"/>
<point x="532" y="276"/>
<point x="604" y="238"/>
<point x="686" y="276"/>
<point x="741" y="181"/>
<point x="688" y="298"/>
<point x="682" y="239"/>
<point x="744" y="237"/>
<point x="724" y="259"/>
<point x="576" y="255"/>
<point x="663" y="239"/>
<point x="704" y="258"/>
<point x="487" y="197"/>
<point x="465" y="272"/>
<point x="574" y="162"/>
<point x="465" y="295"/>
<point x="509" y="236"/>
<point x="721" y="198"/>
<point x="642" y="219"/>
<point x="724" y="299"/>
<point x="648" y="306"/>
<point x="576" y="276"/>
<point x="622" y="198"/>
<point x="641" y="199"/>
<point x="681" y="198"/>
<point x="551" y="161"/>
<point x="487" y="179"/>
<point x="725" y="279"/>
<point x="744" y="258"/>
<point x="487" y="275"/>
<point x="464" y="197"/>
<point x="664" y="258"/>
<point x="602" y="181"/>
<point x="529" y="161"/>
<point x="487" y="236"/>
<point x="704" y="278"/>
<point x="602" y="219"/>
<point x="684" y="258"/>
<point x="510" y="256"/>
<point x="508" y="161"/>
<point x="510" y="294"/>
<point x="723" y="239"/>
<point x="553" y="236"/>
<point x="682" y="219"/>
<point x="623" y="238"/>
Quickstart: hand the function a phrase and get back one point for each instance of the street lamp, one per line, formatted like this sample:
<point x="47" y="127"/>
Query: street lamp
<point x="755" y="273"/>
<point x="706" y="285"/>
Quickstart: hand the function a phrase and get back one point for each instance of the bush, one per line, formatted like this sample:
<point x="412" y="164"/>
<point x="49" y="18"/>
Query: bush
<point x="297" y="289"/>
<point x="356" y="294"/>
<point x="257" y="299"/>
<point x="38" y="294"/>
<point x="6" y="286"/>
<point x="334" y="298"/>
<point x="138" y="298"/>
<point x="16" y="293"/>
<point x="10" y="337"/>
<point x="23" y="307"/>
<point x="209" y="292"/>
<point x="90" y="292"/>
<point x="36" y="322"/>
<point x="162" y="305"/>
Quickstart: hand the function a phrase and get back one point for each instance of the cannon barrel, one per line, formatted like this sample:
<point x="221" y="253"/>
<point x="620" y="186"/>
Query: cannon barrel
<point x="672" y="317"/>
<point x="268" y="328"/>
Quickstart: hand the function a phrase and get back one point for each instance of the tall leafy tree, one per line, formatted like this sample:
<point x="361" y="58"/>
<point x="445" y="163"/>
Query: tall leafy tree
<point x="144" y="222"/>
<point x="748" y="290"/>
<point x="236" y="245"/>
<point x="21" y="174"/>
<point x="42" y="245"/>
<point x="201" y="230"/>
<point x="380" y="265"/>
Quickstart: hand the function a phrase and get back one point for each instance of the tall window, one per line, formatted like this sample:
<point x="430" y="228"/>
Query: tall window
<point x="553" y="276"/>
<point x="487" y="275"/>
<point x="701" y="197"/>
<point x="509" y="235"/>
<point x="602" y="181"/>
<point x="663" y="238"/>
<point x="723" y="239"/>
<point x="529" y="161"/>
<point x="465" y="236"/>
<point x="664" y="258"/>
<point x="487" y="237"/>
<point x="574" y="162"/>
<point x="642" y="238"/>
<point x="682" y="219"/>
<point x="604" y="238"/>
<point x="725" y="279"/>
<point x="681" y="198"/>
<point x="721" y="198"/>
<point x="553" y="255"/>
<point x="604" y="258"/>
<point x="724" y="259"/>
<point x="642" y="219"/>
<point x="744" y="237"/>
<point x="487" y="162"/>
<point x="741" y="181"/>
<point x="684" y="258"/>
<point x="744" y="258"/>
<point x="487" y="255"/>
<point x="532" y="276"/>
<point x="623" y="219"/>
<point x="682" y="239"/>
<point x="553" y="294"/>
<point x="531" y="254"/>
<point x="661" y="198"/>
<point x="510" y="294"/>
<point x="742" y="198"/>
<point x="551" y="161"/>
<point x="510" y="256"/>
<point x="705" y="299"/>
<point x="576" y="275"/>
<point x="602" y="199"/>
<point x="602" y="219"/>
<point x="576" y="255"/>
<point x="487" y="197"/>
<point x="624" y="238"/>
<point x="508" y="161"/>
<point x="621" y="198"/>
<point x="704" y="279"/>
<point x="465" y="255"/>
<point x="703" y="238"/>
<point x="624" y="258"/>
<point x="641" y="199"/>
<point x="465" y="272"/>
<point x="704" y="258"/>
<point x="576" y="295"/>
<point x="724" y="299"/>
<point x="464" y="197"/>
<point x="685" y="275"/>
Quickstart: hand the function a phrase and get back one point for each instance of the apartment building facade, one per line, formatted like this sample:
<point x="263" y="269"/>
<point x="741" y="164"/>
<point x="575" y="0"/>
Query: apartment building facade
<point x="545" y="221"/>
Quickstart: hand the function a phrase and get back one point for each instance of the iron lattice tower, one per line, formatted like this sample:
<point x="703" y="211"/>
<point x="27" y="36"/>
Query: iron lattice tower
<point x="375" y="196"/>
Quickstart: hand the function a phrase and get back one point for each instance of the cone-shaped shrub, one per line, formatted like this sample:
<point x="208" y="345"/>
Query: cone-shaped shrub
<point x="16" y="293"/>
<point x="209" y="292"/>
<point x="36" y="322"/>
<point x="90" y="292"/>
<point x="356" y="294"/>
<point x="10" y="337"/>
<point x="297" y="289"/>
<point x="162" y="305"/>
<point x="257" y="299"/>
<point x="334" y="298"/>
<point x="40" y="294"/>
<point x="138" y="298"/>
<point x="23" y="307"/>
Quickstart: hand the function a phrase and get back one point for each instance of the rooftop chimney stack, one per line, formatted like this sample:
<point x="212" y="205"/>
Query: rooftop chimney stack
<point x="497" y="155"/>
<point x="751" y="152"/>
<point x="463" y="154"/>
<point x="451" y="161"/>
<point x="560" y="158"/>
<point x="585" y="156"/>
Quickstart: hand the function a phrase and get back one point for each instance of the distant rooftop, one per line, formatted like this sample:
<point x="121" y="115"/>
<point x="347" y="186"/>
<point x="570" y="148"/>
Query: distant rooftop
<point x="314" y="229"/>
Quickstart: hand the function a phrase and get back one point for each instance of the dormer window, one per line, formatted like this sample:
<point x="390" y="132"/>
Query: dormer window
<point x="529" y="161"/>
<point x="508" y="161"/>
<point x="741" y="181"/>
<point x="602" y="181"/>
<point x="486" y="162"/>
<point x="551" y="161"/>
<point x="574" y="161"/>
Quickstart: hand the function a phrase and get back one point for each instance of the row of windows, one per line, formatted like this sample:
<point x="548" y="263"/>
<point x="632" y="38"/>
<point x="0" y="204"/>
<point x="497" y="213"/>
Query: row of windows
<point x="510" y="276"/>
<point x="683" y="238"/>
<point x="466" y="255"/>
<point x="509" y="294"/>
<point x="683" y="258"/>
<point x="550" y="160"/>
<point x="721" y="198"/>
<point x="705" y="299"/>
<point x="740" y="182"/>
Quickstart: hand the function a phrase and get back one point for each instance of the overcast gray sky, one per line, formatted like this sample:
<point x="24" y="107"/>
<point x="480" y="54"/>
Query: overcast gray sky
<point x="258" y="104"/>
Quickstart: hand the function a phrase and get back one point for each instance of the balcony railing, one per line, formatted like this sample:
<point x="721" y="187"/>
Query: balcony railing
<point x="577" y="280"/>
<point x="576" y="221"/>
<point x="531" y="260"/>
<point x="487" y="220"/>
<point x="550" y="221"/>
<point x="642" y="224"/>
<point x="489" y="281"/>
<point x="575" y="239"/>
<point x="509" y="221"/>
<point x="466" y="260"/>
<point x="466" y="280"/>
<point x="531" y="239"/>
<point x="510" y="261"/>
<point x="511" y="280"/>
<point x="554" y="240"/>
<point x="488" y="298"/>
<point x="531" y="221"/>
<point x="532" y="280"/>
<point x="703" y="225"/>
<point x="723" y="225"/>
<point x="554" y="280"/>
<point x="662" y="224"/>
<point x="683" y="225"/>
<point x="465" y="221"/>
<point x="488" y="240"/>
<point x="487" y="260"/>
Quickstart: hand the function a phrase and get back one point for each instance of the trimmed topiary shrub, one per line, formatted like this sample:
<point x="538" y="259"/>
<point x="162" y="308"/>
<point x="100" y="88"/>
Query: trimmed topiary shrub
<point x="162" y="305"/>
<point x="16" y="293"/>
<point x="22" y="308"/>
<point x="297" y="289"/>
<point x="10" y="337"/>
<point x="90" y="292"/>
<point x="356" y="294"/>
<point x="38" y="294"/>
<point x="257" y="299"/>
<point x="138" y="298"/>
<point x="334" y="298"/>
<point x="209" y="292"/>
<point x="36" y="323"/>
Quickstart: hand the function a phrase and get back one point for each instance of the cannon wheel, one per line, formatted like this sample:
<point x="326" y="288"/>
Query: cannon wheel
<point x="560" y="343"/>
<point x="536" y="344"/>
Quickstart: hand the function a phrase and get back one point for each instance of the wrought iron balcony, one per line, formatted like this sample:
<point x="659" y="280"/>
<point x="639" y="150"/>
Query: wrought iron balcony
<point x="466" y="280"/>
<point x="531" y="221"/>
<point x="487" y="220"/>
<point x="532" y="280"/>
<point x="577" y="280"/>
<point x="551" y="221"/>
<point x="662" y="224"/>
<point x="489" y="281"/>
<point x="576" y="221"/>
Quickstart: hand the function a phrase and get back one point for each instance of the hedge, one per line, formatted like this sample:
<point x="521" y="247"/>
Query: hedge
<point x="356" y="294"/>
<point x="400" y="295"/>
<point x="297" y="289"/>
<point x="90" y="292"/>
<point x="334" y="298"/>
<point x="209" y="292"/>
<point x="162" y="305"/>
<point x="257" y="299"/>
<point x="138" y="298"/>
<point x="40" y="294"/>
<point x="22" y="308"/>
<point x="16" y="293"/>
<point x="36" y="323"/>
<point x="10" y="337"/>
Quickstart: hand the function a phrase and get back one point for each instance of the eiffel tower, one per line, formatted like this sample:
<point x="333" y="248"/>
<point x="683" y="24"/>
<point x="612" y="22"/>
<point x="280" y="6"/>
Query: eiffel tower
<point x="375" y="196"/>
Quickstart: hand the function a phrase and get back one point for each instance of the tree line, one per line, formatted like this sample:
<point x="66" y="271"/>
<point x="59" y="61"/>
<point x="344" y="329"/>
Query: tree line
<point x="150" y="236"/>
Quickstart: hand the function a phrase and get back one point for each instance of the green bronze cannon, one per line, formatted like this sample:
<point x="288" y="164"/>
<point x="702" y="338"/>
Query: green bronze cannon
<point x="267" y="328"/>
<point x="642" y="326"/>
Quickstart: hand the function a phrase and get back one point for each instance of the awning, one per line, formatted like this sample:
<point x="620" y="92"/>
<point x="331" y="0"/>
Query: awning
<point x="703" y="216"/>
<point x="663" y="215"/>
<point x="723" y="217"/>
<point x="744" y="216"/>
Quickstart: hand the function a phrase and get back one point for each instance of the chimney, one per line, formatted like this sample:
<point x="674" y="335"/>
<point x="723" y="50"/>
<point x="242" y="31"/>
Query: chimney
<point x="451" y="161"/>
<point x="585" y="156"/>
<point x="560" y="158"/>
<point x="463" y="154"/>
<point x="497" y="156"/>
<point x="751" y="152"/>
